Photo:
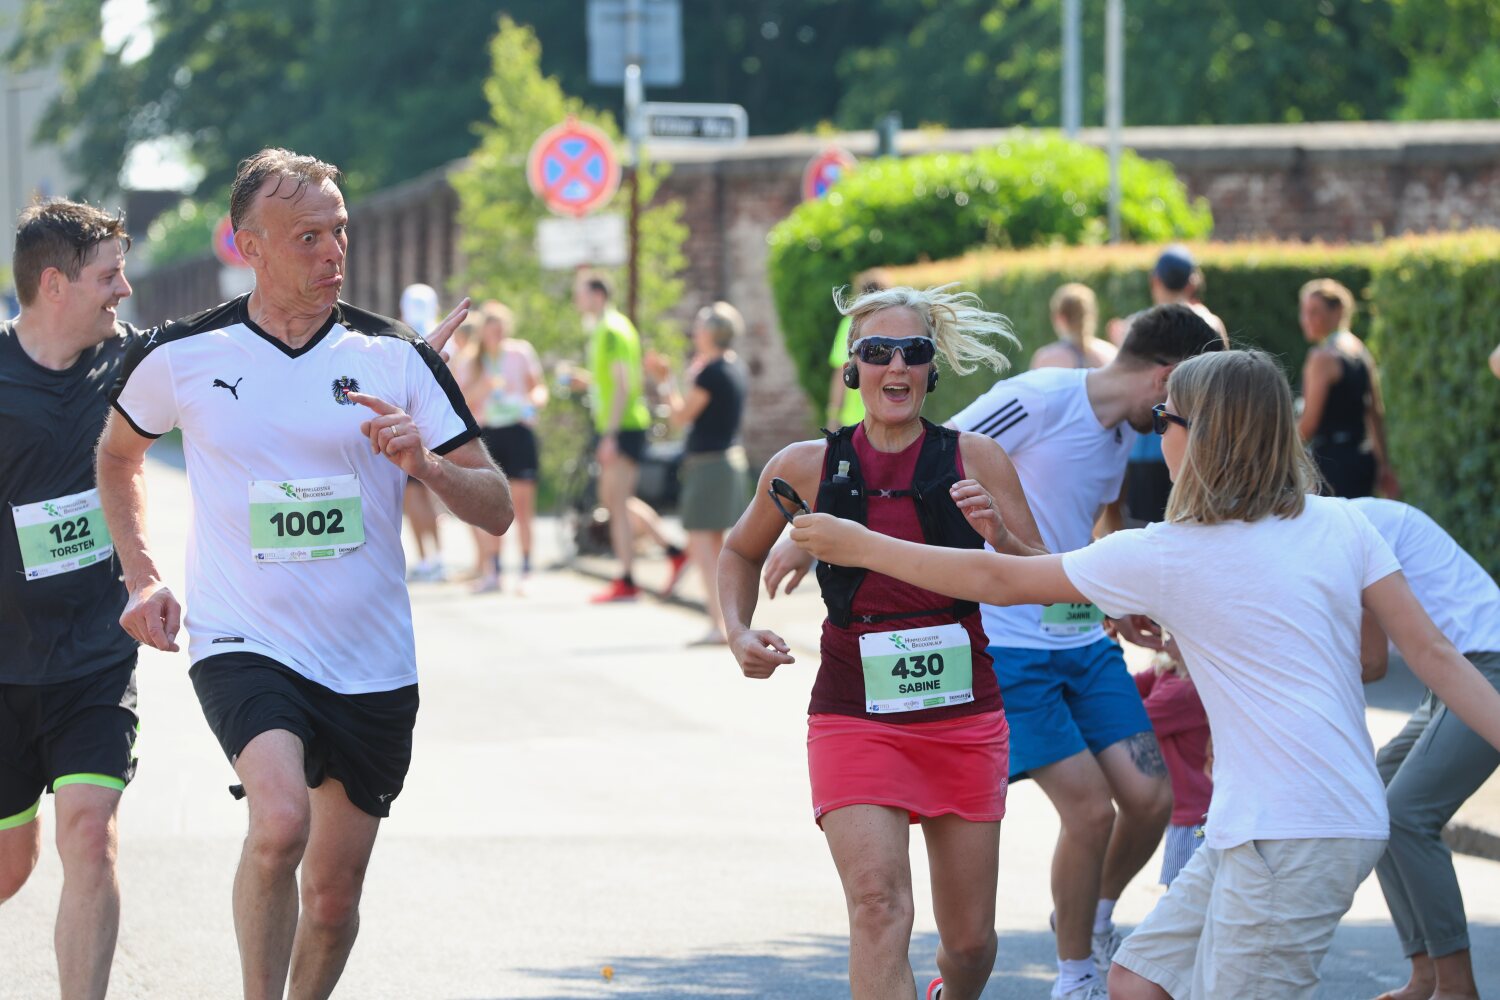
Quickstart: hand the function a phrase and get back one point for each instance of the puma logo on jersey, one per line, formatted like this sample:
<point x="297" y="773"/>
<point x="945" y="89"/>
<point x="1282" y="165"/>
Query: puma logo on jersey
<point x="234" y="390"/>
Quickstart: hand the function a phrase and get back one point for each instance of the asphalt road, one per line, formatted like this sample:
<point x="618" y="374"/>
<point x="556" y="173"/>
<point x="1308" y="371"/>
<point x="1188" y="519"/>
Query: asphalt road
<point x="594" y="810"/>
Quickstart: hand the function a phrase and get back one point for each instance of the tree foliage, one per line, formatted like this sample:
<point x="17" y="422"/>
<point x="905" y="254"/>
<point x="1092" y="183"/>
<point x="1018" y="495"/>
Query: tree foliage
<point x="998" y="62"/>
<point x="500" y="216"/>
<point x="1028" y="190"/>
<point x="385" y="90"/>
<point x="388" y="88"/>
<point x="1454" y="49"/>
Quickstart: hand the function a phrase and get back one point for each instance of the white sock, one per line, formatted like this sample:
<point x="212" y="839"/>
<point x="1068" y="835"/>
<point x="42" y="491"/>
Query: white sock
<point x="1073" y="973"/>
<point x="1104" y="916"/>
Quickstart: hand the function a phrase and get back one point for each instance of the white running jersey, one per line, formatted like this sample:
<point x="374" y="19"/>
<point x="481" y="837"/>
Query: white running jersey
<point x="258" y="417"/>
<point x="1458" y="595"/>
<point x="1069" y="464"/>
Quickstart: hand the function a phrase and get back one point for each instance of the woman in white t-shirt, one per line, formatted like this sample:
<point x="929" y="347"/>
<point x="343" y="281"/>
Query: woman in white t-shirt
<point x="1263" y="585"/>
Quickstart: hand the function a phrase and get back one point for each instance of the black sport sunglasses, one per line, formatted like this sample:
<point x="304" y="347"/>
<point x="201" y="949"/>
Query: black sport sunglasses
<point x="1160" y="418"/>
<point x="781" y="489"/>
<point x="880" y="350"/>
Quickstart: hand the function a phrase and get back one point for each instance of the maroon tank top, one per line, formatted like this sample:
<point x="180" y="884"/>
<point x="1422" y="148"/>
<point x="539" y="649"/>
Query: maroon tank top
<point x="840" y="685"/>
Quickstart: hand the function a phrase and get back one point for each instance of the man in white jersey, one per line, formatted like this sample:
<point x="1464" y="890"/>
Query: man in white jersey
<point x="1436" y="762"/>
<point x="1077" y="723"/>
<point x="301" y="418"/>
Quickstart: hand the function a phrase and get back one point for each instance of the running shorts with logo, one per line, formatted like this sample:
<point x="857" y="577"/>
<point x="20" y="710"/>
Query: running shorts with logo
<point x="80" y="731"/>
<point x="361" y="740"/>
<point x="1060" y="702"/>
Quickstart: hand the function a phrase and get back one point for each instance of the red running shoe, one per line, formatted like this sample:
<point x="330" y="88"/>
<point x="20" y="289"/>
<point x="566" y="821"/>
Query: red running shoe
<point x="679" y="564"/>
<point x="618" y="590"/>
<point x="935" y="989"/>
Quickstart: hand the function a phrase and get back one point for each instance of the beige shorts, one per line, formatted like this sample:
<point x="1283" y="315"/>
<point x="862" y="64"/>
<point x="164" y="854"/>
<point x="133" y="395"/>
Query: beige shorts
<point x="1252" y="921"/>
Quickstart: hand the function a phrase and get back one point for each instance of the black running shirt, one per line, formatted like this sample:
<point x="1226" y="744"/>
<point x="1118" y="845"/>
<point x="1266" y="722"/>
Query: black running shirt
<point x="56" y="623"/>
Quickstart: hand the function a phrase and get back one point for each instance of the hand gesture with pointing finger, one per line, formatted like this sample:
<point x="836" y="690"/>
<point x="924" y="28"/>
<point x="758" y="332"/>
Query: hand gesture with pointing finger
<point x="393" y="434"/>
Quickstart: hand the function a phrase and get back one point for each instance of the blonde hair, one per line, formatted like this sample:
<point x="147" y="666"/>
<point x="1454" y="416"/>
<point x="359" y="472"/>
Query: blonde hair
<point x="1079" y="309"/>
<point x="1244" y="460"/>
<point x="956" y="321"/>
<point x="723" y="322"/>
<point x="1332" y="294"/>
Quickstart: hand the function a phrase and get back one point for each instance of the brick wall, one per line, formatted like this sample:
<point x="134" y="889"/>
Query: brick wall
<point x="1355" y="182"/>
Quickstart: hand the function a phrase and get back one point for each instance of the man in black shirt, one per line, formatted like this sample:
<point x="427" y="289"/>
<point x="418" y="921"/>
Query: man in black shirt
<point x="67" y="669"/>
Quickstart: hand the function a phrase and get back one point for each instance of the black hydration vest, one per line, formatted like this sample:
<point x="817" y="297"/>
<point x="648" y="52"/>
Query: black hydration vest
<point x="842" y="494"/>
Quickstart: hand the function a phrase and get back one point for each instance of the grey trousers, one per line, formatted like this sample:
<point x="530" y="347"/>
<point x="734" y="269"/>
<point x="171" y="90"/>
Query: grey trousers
<point x="1429" y="770"/>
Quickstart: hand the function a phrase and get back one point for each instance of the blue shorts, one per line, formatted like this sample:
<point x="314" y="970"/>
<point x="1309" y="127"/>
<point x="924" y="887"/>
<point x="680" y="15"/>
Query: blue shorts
<point x="1062" y="701"/>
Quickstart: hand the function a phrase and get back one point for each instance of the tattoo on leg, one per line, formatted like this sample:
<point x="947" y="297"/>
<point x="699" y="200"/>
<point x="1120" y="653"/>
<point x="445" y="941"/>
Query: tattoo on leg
<point x="1146" y="753"/>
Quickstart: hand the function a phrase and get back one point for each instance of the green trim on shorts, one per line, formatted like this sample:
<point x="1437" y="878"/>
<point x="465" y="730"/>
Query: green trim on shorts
<point x="102" y="780"/>
<point x="21" y="818"/>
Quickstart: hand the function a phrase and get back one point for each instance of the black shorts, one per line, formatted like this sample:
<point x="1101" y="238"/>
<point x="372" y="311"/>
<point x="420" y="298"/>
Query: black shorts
<point x="632" y="444"/>
<point x="361" y="740"/>
<point x="514" y="449"/>
<point x="77" y="732"/>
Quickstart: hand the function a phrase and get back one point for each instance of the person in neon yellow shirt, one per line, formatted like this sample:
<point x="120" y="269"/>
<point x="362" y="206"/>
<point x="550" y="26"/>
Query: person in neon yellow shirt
<point x="844" y="407"/>
<point x="622" y="422"/>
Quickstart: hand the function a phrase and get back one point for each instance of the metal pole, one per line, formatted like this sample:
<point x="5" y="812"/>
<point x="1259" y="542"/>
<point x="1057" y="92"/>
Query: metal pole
<point x="634" y="96"/>
<point x="1114" y="101"/>
<point x="1072" y="69"/>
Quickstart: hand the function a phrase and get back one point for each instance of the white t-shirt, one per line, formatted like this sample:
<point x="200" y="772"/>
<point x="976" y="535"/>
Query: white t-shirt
<point x="1069" y="464"/>
<point x="252" y="409"/>
<point x="1267" y="615"/>
<point x="1457" y="594"/>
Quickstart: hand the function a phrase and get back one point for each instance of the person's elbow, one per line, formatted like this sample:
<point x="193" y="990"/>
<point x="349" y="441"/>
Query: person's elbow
<point x="1373" y="664"/>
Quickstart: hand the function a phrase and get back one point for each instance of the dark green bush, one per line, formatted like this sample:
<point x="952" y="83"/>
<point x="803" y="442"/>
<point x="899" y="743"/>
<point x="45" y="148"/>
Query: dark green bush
<point x="1437" y="318"/>
<point x="1252" y="286"/>
<point x="1032" y="189"/>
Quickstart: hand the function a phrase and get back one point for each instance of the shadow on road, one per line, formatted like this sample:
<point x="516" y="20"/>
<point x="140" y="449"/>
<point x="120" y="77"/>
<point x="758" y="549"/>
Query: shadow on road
<point x="1365" y="959"/>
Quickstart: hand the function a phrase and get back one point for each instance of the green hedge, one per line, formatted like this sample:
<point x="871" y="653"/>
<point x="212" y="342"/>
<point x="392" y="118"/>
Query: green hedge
<point x="1252" y="286"/>
<point x="1437" y="319"/>
<point x="1429" y="306"/>
<point x="1032" y="189"/>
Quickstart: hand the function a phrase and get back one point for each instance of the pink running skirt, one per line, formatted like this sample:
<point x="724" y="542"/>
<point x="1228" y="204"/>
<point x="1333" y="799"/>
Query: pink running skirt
<point x="956" y="766"/>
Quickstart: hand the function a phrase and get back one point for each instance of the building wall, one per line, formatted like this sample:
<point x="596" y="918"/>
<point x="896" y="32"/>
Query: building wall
<point x="1337" y="182"/>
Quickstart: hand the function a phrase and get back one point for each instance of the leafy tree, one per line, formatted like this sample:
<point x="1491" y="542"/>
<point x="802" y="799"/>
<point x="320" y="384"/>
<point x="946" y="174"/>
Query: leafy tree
<point x="970" y="63"/>
<point x="182" y="233"/>
<point x="500" y="216"/>
<point x="1455" y="58"/>
<point x="385" y="89"/>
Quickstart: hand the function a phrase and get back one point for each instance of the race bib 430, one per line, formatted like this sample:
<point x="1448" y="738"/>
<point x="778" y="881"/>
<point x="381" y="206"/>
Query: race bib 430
<point x="913" y="669"/>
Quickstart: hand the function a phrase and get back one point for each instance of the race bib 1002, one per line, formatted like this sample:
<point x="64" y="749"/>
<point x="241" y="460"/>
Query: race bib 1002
<point x="298" y="520"/>
<point x="62" y="535"/>
<point x="909" y="670"/>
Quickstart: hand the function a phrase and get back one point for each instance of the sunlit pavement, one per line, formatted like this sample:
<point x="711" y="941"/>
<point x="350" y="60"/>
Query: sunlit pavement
<point x="594" y="809"/>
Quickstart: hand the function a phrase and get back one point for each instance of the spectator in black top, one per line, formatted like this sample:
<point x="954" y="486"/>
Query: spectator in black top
<point x="715" y="475"/>
<point x="1343" y="419"/>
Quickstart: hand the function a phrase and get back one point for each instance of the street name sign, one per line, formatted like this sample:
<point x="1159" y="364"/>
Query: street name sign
<point x="694" y="124"/>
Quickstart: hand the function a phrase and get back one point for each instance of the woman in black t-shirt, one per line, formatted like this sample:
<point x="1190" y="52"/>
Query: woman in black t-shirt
<point x="715" y="474"/>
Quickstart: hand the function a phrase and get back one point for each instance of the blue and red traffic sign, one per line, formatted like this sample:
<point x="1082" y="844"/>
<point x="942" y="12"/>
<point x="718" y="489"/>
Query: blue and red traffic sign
<point x="224" y="248"/>
<point x="573" y="168"/>
<point x="824" y="170"/>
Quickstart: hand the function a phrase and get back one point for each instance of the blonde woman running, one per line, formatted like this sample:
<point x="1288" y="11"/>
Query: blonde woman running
<point x="1263" y="586"/>
<point x="906" y="723"/>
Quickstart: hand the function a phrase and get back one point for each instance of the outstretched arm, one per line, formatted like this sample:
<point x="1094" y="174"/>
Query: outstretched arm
<point x="965" y="574"/>
<point x="1432" y="657"/>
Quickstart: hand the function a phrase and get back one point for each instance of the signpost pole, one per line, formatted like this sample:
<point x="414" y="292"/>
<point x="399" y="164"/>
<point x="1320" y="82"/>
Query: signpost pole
<point x="634" y="95"/>
<point x="1114" y="103"/>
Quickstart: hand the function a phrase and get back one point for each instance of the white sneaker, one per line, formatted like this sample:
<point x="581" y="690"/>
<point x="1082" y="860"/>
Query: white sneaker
<point x="1092" y="988"/>
<point x="1105" y="944"/>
